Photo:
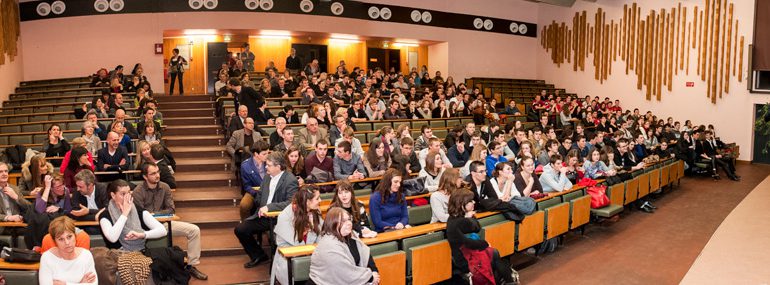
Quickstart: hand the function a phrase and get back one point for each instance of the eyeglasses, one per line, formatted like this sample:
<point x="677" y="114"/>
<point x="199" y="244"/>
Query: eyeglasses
<point x="483" y="170"/>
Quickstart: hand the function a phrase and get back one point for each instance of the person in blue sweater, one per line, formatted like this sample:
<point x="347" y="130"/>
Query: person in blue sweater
<point x="387" y="204"/>
<point x="495" y="156"/>
<point x="253" y="170"/>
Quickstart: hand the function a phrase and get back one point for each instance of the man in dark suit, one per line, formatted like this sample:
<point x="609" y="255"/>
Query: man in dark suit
<point x="247" y="96"/>
<point x="114" y="157"/>
<point x="90" y="197"/>
<point x="158" y="154"/>
<point x="274" y="195"/>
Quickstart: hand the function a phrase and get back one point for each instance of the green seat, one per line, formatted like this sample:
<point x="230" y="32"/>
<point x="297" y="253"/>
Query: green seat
<point x="327" y="196"/>
<point x="440" y="133"/>
<point x="409" y="243"/>
<point x="17" y="119"/>
<point x="3" y="140"/>
<point x="361" y="137"/>
<point x="607" y="211"/>
<point x="542" y="205"/>
<point x="32" y="128"/>
<point x="466" y="120"/>
<point x="437" y="124"/>
<point x="419" y="215"/>
<point x="157" y="243"/>
<point x="363" y="192"/>
<point x="379" y="126"/>
<point x="10" y="129"/>
<point x="60" y="117"/>
<point x="71" y="136"/>
<point x="383" y="248"/>
<point x="97" y="240"/>
<point x="363" y="126"/>
<point x="418" y="124"/>
<point x="491" y="220"/>
<point x="23" y="139"/>
<point x="29" y="277"/>
<point x="301" y="268"/>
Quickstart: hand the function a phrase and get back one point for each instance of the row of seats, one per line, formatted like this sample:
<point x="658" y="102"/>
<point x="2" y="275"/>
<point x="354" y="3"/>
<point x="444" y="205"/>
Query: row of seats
<point x="52" y="99"/>
<point x="55" y="86"/>
<point x="30" y="83"/>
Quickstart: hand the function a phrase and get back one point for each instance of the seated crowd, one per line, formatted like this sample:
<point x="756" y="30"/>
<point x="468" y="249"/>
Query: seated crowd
<point x="493" y="161"/>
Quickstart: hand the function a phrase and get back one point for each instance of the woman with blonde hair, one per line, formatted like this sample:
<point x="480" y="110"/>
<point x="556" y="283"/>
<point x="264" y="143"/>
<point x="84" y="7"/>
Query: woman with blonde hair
<point x="144" y="154"/>
<point x="403" y="131"/>
<point x="479" y="153"/>
<point x="33" y="173"/>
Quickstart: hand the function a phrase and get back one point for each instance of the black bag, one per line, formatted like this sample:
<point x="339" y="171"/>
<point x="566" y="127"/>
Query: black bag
<point x="16" y="156"/>
<point x="20" y="255"/>
<point x="414" y="186"/>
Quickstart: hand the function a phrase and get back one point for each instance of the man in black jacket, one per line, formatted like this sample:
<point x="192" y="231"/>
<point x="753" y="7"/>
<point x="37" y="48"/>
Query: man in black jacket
<point x="247" y="96"/>
<point x="407" y="151"/>
<point x="166" y="176"/>
<point x="625" y="159"/>
<point x="90" y="197"/>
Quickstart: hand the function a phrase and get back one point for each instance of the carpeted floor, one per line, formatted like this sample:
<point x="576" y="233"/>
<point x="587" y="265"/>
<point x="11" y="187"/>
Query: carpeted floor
<point x="646" y="248"/>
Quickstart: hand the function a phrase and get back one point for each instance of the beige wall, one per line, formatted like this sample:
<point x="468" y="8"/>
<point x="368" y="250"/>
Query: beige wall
<point x="732" y="115"/>
<point x="10" y="74"/>
<point x="90" y="46"/>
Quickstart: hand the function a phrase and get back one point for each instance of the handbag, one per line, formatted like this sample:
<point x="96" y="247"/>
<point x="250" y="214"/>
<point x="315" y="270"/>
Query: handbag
<point x="479" y="265"/>
<point x="598" y="195"/>
<point x="414" y="186"/>
<point x="20" y="255"/>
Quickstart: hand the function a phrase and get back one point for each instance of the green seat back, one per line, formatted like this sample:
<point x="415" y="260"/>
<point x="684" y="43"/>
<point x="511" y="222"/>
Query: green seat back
<point x="491" y="220"/>
<point x="363" y="126"/>
<point x="301" y="268"/>
<point x="379" y="126"/>
<point x="29" y="277"/>
<point x="572" y="195"/>
<point x="157" y="243"/>
<point x="419" y="215"/>
<point x="383" y="248"/>
<point x="437" y="124"/>
<point x="548" y="203"/>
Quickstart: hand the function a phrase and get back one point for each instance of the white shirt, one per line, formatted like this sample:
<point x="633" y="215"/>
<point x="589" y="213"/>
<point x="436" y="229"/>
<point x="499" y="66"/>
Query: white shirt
<point x="273" y="184"/>
<point x="92" y="200"/>
<point x="69" y="271"/>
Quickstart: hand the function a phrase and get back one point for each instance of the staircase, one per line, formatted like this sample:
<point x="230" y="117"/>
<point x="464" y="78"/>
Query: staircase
<point x="207" y="193"/>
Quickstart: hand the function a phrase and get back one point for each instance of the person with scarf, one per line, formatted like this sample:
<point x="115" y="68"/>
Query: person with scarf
<point x="124" y="224"/>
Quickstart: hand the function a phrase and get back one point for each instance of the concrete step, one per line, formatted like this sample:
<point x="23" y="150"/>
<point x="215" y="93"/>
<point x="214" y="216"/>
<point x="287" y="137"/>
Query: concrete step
<point x="195" y="140"/>
<point x="203" y="164"/>
<point x="218" y="241"/>
<point x="205" y="179"/>
<point x="207" y="196"/>
<point x="229" y="270"/>
<point x="190" y="120"/>
<point x="179" y="130"/>
<point x="186" y="98"/>
<point x="211" y="215"/>
<point x="186" y="105"/>
<point x="188" y="112"/>
<point x="198" y="151"/>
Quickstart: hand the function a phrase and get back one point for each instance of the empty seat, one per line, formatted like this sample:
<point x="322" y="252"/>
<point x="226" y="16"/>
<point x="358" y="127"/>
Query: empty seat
<point x="440" y="133"/>
<point x="29" y="277"/>
<point x="20" y="139"/>
<point x="383" y="248"/>
<point x="32" y="128"/>
<point x="363" y="126"/>
<point x="379" y="126"/>
<point x="301" y="268"/>
<point x="10" y="129"/>
<point x="40" y="138"/>
<point x="419" y="215"/>
<point x="579" y="208"/>
<point x="556" y="216"/>
<point x="3" y="140"/>
<point x="437" y="124"/>
<point x="409" y="243"/>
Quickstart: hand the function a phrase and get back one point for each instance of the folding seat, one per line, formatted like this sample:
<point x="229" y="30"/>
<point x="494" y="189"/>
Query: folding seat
<point x="419" y="215"/>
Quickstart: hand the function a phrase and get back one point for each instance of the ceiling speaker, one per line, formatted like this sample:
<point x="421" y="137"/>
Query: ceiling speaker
<point x="195" y="4"/>
<point x="522" y="29"/>
<point x="426" y="17"/>
<point x="514" y="28"/>
<point x="337" y="8"/>
<point x="478" y="23"/>
<point x="374" y="12"/>
<point x="43" y="9"/>
<point x="385" y="13"/>
<point x="101" y="6"/>
<point x="117" y="5"/>
<point x="210" y="4"/>
<point x="266" y="5"/>
<point x="251" y="4"/>
<point x="488" y="25"/>
<point x="416" y="16"/>
<point x="58" y="7"/>
<point x="306" y="6"/>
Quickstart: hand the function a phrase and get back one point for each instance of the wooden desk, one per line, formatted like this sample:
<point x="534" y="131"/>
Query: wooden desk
<point x="4" y="265"/>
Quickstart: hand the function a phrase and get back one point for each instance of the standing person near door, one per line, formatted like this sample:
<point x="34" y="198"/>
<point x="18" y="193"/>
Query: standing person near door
<point x="247" y="57"/>
<point x="293" y="63"/>
<point x="176" y="70"/>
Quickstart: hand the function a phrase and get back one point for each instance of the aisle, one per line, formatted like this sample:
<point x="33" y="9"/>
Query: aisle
<point x="645" y="248"/>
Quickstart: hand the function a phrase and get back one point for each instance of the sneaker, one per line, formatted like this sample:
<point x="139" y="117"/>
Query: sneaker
<point x="552" y="245"/>
<point x="197" y="274"/>
<point x="531" y="251"/>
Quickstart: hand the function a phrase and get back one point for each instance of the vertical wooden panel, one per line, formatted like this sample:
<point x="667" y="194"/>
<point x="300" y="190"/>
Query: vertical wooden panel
<point x="662" y="32"/>
<point x="704" y="47"/>
<point x="715" y="52"/>
<point x="648" y="54"/>
<point x="624" y="35"/>
<point x="695" y="24"/>
<point x="722" y="42"/>
<point x="689" y="34"/>
<point x="671" y="55"/>
<point x="683" y="41"/>
<point x="641" y="41"/>
<point x="700" y="36"/>
<point x="633" y="42"/>
<point x="735" y="47"/>
<point x="677" y="35"/>
<point x="576" y="34"/>
<point x="740" y="65"/>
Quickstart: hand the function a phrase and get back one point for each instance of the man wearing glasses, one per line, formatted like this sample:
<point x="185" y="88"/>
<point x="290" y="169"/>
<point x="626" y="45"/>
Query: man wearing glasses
<point x="626" y="160"/>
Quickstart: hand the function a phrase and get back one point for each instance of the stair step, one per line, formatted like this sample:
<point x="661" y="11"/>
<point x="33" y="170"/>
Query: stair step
<point x="210" y="193"/>
<point x="187" y="105"/>
<point x="194" y="140"/>
<point x="198" y="151"/>
<point x="190" y="120"/>
<point x="179" y="130"/>
<point x="203" y="164"/>
<point x="209" y="214"/>
<point x="214" y="241"/>
<point x="205" y="179"/>
<point x="188" y="112"/>
<point x="230" y="271"/>
<point x="186" y="98"/>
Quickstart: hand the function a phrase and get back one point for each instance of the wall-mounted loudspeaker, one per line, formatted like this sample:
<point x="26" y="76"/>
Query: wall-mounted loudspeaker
<point x="117" y="5"/>
<point x="266" y="5"/>
<point x="251" y="4"/>
<point x="416" y="16"/>
<point x="374" y="12"/>
<point x="337" y="8"/>
<point x="210" y="4"/>
<point x="101" y="6"/>
<point x="306" y="6"/>
<point x="478" y="23"/>
<point x="514" y="27"/>
<point x="426" y="17"/>
<point x="522" y="29"/>
<point x="195" y="4"/>
<point x="43" y="9"/>
<point x="488" y="25"/>
<point x="385" y="13"/>
<point x="58" y="7"/>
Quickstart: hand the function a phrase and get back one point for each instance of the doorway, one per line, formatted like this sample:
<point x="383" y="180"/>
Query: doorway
<point x="309" y="52"/>
<point x="383" y="59"/>
<point x="217" y="54"/>
<point x="760" y="141"/>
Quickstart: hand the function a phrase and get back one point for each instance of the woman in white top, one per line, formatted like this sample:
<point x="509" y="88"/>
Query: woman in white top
<point x="66" y="263"/>
<point x="479" y="153"/>
<point x="434" y="168"/>
<point x="450" y="182"/>
<point x="124" y="224"/>
<point x="502" y="181"/>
